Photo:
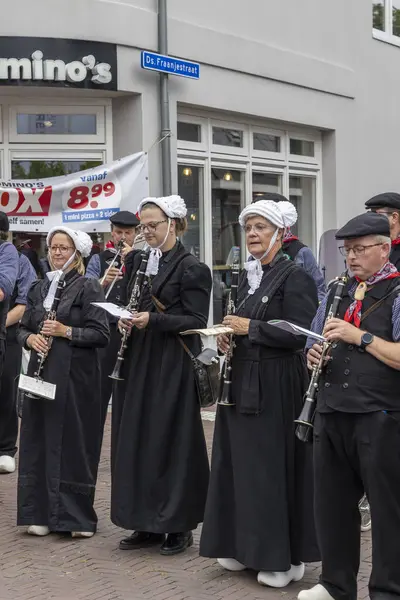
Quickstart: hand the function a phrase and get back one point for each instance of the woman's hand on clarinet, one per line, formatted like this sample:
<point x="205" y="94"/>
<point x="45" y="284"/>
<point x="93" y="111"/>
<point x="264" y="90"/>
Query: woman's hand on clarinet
<point x="38" y="343"/>
<point x="239" y="325"/>
<point x="223" y="343"/>
<point x="125" y="325"/>
<point x="141" y="320"/>
<point x="54" y="329"/>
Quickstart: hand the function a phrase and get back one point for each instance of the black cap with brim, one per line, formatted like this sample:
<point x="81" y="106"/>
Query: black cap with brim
<point x="270" y="196"/>
<point x="369" y="223"/>
<point x="385" y="200"/>
<point x="125" y="218"/>
<point x="4" y="223"/>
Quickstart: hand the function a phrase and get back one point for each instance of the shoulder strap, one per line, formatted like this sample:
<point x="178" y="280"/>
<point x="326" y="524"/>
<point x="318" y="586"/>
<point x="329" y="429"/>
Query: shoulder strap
<point x="161" y="309"/>
<point x="395" y="290"/>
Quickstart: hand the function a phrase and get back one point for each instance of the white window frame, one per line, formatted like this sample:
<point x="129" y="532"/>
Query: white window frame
<point x="196" y="146"/>
<point x="299" y="158"/>
<point x="231" y="150"/>
<point x="265" y="154"/>
<point x="98" y="138"/>
<point x="387" y="35"/>
<point x="228" y="158"/>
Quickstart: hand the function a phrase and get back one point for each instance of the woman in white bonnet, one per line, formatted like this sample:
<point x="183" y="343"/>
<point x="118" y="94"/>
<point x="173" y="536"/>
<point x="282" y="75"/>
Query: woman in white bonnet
<point x="259" y="512"/>
<point x="159" y="458"/>
<point x="60" y="439"/>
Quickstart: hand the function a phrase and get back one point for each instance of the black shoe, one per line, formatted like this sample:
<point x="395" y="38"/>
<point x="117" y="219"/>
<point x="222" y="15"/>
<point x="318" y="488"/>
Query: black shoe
<point x="141" y="539"/>
<point x="176" y="543"/>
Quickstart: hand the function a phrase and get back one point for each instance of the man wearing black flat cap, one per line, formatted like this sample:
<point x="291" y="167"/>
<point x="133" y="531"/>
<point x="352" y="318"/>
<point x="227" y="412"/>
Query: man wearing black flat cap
<point x="388" y="204"/>
<point x="357" y="425"/>
<point x="123" y="229"/>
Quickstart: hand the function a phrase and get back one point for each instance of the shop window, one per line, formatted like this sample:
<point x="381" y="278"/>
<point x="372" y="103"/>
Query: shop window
<point x="263" y="183"/>
<point x="227" y="137"/>
<point x="190" y="187"/>
<point x="301" y="147"/>
<point x="39" y="169"/>
<point x="265" y="142"/>
<point x="302" y="193"/>
<point x="57" y="124"/>
<point x="189" y="132"/>
<point x="227" y="197"/>
<point x="49" y="124"/>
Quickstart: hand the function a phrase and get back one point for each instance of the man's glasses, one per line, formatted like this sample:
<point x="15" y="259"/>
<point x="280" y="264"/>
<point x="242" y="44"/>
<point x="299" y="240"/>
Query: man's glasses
<point x="357" y="250"/>
<point x="150" y="227"/>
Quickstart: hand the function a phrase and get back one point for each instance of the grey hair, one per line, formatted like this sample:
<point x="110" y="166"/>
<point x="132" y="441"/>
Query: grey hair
<point x="383" y="239"/>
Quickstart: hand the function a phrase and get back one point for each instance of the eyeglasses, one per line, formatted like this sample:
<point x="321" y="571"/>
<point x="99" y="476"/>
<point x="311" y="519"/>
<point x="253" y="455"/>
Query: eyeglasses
<point x="357" y="250"/>
<point x="62" y="249"/>
<point x="151" y="227"/>
<point x="258" y="228"/>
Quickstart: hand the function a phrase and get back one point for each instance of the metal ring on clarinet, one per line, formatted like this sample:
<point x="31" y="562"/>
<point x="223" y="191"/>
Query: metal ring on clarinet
<point x="305" y="422"/>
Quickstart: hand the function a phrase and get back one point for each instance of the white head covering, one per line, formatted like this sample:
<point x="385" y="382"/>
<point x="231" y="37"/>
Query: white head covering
<point x="281" y="214"/>
<point x="175" y="208"/>
<point x="82" y="242"/>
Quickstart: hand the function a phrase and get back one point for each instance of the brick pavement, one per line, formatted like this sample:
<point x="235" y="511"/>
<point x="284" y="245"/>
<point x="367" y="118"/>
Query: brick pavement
<point x="57" y="567"/>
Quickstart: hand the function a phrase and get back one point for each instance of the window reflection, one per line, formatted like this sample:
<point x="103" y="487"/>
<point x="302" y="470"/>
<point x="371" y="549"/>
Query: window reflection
<point x="190" y="188"/>
<point x="49" y="124"/>
<point x="378" y="14"/>
<point x="302" y="194"/>
<point x="227" y="202"/>
<point x="264" y="183"/>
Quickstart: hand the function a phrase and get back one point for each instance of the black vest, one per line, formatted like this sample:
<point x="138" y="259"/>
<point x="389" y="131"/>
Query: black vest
<point x="4" y="307"/>
<point x="354" y="381"/>
<point x="395" y="256"/>
<point x="292" y="248"/>
<point x="106" y="258"/>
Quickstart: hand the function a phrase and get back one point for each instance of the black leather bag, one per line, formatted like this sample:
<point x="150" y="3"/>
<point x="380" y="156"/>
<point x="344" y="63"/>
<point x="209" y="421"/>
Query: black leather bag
<point x="206" y="370"/>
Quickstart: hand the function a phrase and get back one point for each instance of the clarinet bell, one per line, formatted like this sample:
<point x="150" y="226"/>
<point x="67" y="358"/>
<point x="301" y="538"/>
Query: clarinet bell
<point x="116" y="374"/>
<point x="304" y="423"/>
<point x="225" y="397"/>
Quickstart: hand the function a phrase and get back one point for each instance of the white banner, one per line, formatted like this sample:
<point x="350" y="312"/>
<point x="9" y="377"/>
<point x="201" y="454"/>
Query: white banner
<point x="84" y="200"/>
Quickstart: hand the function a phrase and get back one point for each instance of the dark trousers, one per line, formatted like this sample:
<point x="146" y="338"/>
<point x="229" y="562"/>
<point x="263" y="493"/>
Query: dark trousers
<point x="353" y="452"/>
<point x="8" y="399"/>
<point x="108" y="356"/>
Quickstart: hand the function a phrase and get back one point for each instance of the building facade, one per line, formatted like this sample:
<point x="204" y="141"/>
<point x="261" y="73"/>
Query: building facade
<point x="295" y="97"/>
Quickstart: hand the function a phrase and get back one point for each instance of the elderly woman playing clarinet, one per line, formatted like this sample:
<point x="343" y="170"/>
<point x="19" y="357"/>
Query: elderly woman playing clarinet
<point x="61" y="438"/>
<point x="259" y="512"/>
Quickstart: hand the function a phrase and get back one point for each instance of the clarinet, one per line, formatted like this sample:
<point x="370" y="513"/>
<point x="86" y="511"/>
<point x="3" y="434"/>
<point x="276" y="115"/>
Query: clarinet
<point x="225" y="395"/>
<point x="50" y="316"/>
<point x="305" y="422"/>
<point x="133" y="306"/>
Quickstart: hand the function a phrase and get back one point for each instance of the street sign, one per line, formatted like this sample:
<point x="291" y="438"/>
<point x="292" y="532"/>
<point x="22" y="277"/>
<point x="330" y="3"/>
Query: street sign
<point x="167" y="64"/>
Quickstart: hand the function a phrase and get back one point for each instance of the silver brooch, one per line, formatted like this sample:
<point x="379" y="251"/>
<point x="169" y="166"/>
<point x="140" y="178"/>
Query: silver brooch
<point x="264" y="299"/>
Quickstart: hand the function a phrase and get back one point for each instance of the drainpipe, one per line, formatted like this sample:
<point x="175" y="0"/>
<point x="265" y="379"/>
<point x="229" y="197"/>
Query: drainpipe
<point x="164" y="101"/>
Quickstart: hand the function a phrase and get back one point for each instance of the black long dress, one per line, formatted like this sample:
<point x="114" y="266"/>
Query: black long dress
<point x="160" y="466"/>
<point x="260" y="503"/>
<point x="60" y="440"/>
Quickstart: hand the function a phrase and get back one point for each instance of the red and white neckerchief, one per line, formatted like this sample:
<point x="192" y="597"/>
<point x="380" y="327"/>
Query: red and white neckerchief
<point x="289" y="237"/>
<point x="353" y="313"/>
<point x="396" y="242"/>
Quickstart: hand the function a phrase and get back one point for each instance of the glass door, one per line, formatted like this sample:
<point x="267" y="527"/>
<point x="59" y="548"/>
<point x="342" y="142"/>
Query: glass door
<point x="191" y="189"/>
<point x="227" y="201"/>
<point x="302" y="193"/>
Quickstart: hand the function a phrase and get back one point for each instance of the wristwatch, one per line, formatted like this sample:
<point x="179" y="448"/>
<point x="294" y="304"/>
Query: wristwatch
<point x="68" y="333"/>
<point x="366" y="339"/>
